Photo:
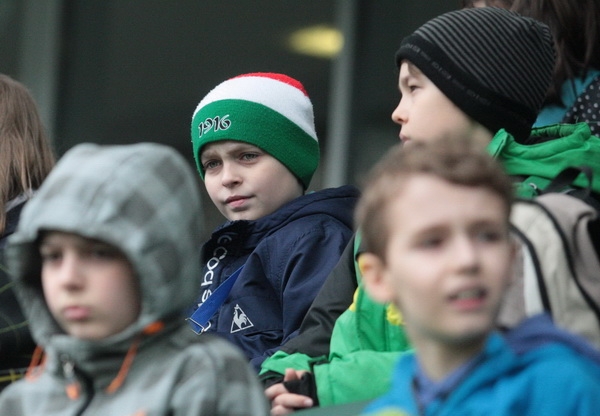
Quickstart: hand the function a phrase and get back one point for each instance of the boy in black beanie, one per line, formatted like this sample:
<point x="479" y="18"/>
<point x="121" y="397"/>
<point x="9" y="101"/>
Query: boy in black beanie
<point x="493" y="65"/>
<point x="477" y="73"/>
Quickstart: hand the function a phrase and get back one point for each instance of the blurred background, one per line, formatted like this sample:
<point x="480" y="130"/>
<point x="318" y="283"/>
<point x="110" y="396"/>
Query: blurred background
<point x="125" y="71"/>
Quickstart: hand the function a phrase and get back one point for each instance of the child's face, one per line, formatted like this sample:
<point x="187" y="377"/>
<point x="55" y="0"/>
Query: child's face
<point x="244" y="182"/>
<point x="448" y="261"/>
<point x="426" y="114"/>
<point x="89" y="286"/>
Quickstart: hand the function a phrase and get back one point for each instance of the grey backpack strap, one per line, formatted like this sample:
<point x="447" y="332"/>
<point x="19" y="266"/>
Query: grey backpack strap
<point x="560" y="268"/>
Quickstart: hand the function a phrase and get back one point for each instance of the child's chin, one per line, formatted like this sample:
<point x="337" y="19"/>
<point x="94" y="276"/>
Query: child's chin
<point x="471" y="332"/>
<point x="474" y="335"/>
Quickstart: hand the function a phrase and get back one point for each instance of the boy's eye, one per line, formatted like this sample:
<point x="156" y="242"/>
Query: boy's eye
<point x="430" y="242"/>
<point x="249" y="156"/>
<point x="104" y="252"/>
<point x="50" y="255"/>
<point x="210" y="164"/>
<point x="489" y="236"/>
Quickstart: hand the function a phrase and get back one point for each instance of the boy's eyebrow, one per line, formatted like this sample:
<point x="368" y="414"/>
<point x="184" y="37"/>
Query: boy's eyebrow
<point x="473" y="225"/>
<point x="239" y="147"/>
<point x="206" y="153"/>
<point x="413" y="70"/>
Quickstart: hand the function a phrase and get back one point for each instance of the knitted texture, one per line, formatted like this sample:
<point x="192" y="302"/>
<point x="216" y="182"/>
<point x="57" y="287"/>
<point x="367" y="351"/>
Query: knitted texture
<point x="493" y="64"/>
<point x="268" y="110"/>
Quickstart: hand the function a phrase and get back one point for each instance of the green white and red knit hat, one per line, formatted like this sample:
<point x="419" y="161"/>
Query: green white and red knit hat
<point x="268" y="110"/>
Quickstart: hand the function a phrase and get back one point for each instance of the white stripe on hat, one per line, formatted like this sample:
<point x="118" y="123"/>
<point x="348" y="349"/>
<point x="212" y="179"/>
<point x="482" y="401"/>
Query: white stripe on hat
<point x="279" y="96"/>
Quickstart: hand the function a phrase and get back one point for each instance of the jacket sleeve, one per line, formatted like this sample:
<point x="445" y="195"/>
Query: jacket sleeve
<point x="312" y="258"/>
<point x="342" y="380"/>
<point x="332" y="300"/>
<point x="228" y="386"/>
<point x="365" y="341"/>
<point x="314" y="334"/>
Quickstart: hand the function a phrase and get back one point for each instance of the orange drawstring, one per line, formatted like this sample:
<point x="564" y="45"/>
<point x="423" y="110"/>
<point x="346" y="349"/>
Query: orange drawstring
<point x="73" y="390"/>
<point x="124" y="370"/>
<point x="118" y="381"/>
<point x="153" y="328"/>
<point x="37" y="364"/>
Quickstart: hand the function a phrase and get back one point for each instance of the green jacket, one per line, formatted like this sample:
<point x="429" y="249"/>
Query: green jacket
<point x="364" y="342"/>
<point x="366" y="339"/>
<point x="548" y="151"/>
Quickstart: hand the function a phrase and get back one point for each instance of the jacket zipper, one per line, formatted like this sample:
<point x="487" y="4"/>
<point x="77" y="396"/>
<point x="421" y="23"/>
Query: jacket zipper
<point x="77" y="383"/>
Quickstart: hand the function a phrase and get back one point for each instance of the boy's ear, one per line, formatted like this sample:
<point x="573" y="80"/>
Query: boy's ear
<point x="372" y="270"/>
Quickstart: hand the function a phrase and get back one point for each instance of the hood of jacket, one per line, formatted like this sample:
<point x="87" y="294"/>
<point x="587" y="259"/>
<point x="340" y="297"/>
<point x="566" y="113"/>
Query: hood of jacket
<point x="548" y="151"/>
<point x="142" y="199"/>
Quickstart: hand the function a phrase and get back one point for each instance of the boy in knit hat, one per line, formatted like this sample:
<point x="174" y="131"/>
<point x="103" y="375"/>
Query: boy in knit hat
<point x="256" y="148"/>
<point x="446" y="266"/>
<point x="481" y="73"/>
<point x="105" y="264"/>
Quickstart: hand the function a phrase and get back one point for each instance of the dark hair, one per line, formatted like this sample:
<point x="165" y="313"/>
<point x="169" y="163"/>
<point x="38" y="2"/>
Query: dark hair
<point x="574" y="26"/>
<point x="462" y="162"/>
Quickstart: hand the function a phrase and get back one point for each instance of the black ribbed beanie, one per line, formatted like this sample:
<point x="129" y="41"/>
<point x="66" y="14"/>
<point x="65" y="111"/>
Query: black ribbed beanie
<point x="493" y="64"/>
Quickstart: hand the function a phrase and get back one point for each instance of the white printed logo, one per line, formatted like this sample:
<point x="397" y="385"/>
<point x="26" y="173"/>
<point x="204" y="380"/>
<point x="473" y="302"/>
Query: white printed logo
<point x="215" y="123"/>
<point x="240" y="320"/>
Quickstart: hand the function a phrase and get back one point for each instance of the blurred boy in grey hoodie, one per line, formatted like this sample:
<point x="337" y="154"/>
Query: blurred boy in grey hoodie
<point x="105" y="261"/>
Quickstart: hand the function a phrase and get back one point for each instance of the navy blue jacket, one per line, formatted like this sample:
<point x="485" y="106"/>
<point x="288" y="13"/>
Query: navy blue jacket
<point x="286" y="257"/>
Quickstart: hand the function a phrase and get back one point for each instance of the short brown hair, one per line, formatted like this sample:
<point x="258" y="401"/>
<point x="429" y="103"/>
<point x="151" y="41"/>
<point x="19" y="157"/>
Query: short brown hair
<point x="461" y="162"/>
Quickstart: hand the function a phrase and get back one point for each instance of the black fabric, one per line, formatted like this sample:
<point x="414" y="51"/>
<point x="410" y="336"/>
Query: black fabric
<point x="270" y="377"/>
<point x="306" y="386"/>
<point x="16" y="344"/>
<point x="586" y="108"/>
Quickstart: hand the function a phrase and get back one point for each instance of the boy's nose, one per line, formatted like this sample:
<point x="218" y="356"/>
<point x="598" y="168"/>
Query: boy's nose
<point x="399" y="114"/>
<point x="71" y="273"/>
<point x="465" y="255"/>
<point x="230" y="175"/>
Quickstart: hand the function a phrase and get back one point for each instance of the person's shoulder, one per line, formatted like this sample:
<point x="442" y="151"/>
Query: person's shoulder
<point x="310" y="225"/>
<point x="554" y="378"/>
<point x="562" y="360"/>
<point x="344" y="191"/>
<point x="333" y="202"/>
<point x="548" y="371"/>
<point x="346" y="195"/>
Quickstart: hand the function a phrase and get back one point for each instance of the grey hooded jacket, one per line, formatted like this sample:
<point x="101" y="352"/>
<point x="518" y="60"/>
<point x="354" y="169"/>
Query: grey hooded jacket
<point x="143" y="199"/>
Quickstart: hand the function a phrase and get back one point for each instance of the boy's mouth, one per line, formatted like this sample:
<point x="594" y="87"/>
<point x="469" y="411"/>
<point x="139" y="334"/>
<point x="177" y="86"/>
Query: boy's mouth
<point x="469" y="294"/>
<point x="471" y="298"/>
<point x="236" y="201"/>
<point x="76" y="313"/>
